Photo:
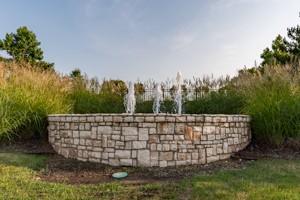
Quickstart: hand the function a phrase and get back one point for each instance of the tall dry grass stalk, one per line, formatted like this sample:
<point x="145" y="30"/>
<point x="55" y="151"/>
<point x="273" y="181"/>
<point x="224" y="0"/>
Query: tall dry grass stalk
<point x="273" y="102"/>
<point x="27" y="96"/>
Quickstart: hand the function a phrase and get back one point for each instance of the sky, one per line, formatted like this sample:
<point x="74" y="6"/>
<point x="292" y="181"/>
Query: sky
<point x="151" y="39"/>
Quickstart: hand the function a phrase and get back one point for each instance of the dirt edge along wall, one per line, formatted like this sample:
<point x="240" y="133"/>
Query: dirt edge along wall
<point x="148" y="140"/>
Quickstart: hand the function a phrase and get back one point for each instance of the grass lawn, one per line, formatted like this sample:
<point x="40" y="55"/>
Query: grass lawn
<point x="263" y="179"/>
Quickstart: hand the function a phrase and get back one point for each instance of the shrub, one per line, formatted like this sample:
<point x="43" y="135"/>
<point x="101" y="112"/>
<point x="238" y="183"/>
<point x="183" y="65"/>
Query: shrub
<point x="273" y="102"/>
<point x="27" y="96"/>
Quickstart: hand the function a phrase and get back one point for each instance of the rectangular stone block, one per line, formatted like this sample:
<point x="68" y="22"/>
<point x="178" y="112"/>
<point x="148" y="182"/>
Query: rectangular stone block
<point x="139" y="144"/>
<point x="154" y="139"/>
<point x="104" y="130"/>
<point x="122" y="154"/>
<point x="166" y="156"/>
<point x="143" y="134"/>
<point x="143" y="158"/>
<point x="129" y="131"/>
<point x="126" y="162"/>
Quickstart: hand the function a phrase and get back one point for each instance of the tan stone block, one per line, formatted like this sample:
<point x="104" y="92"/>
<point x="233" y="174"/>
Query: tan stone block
<point x="163" y="163"/>
<point x="166" y="156"/>
<point x="143" y="134"/>
<point x="208" y="130"/>
<point x="188" y="135"/>
<point x="143" y="158"/>
<point x="123" y="154"/>
<point x="153" y="138"/>
<point x="181" y="156"/>
<point x="125" y="162"/>
<point x="129" y="131"/>
<point x="211" y="137"/>
<point x="212" y="159"/>
<point x="139" y="144"/>
<point x="104" y="130"/>
<point x="131" y="138"/>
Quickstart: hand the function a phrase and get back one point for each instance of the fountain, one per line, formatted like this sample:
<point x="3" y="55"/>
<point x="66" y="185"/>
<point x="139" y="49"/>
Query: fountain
<point x="130" y="99"/>
<point x="158" y="98"/>
<point x="149" y="139"/>
<point x="178" y="96"/>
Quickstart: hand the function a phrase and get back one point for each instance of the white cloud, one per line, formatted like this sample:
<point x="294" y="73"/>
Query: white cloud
<point x="181" y="41"/>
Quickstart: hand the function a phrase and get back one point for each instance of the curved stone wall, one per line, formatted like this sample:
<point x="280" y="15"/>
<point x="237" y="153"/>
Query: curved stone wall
<point x="148" y="140"/>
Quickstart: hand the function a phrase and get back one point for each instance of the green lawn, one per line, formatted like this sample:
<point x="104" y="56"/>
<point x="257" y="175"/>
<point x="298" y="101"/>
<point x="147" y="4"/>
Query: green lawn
<point x="263" y="179"/>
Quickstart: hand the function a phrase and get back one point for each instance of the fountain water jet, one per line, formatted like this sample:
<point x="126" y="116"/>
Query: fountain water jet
<point x="178" y="96"/>
<point x="130" y="99"/>
<point x="158" y="98"/>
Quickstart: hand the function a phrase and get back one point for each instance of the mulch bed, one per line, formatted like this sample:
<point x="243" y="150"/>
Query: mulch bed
<point x="71" y="171"/>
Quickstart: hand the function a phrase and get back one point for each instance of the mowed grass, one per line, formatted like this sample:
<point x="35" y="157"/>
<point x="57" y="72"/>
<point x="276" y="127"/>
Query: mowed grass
<point x="263" y="179"/>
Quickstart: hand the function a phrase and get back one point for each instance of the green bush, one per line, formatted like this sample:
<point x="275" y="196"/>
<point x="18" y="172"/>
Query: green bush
<point x="27" y="97"/>
<point x="230" y="102"/>
<point x="273" y="102"/>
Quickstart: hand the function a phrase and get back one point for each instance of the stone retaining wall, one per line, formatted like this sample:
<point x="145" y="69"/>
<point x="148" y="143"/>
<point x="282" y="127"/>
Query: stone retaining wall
<point x="148" y="140"/>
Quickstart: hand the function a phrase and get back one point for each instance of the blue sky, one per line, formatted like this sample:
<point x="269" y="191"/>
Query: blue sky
<point x="143" y="39"/>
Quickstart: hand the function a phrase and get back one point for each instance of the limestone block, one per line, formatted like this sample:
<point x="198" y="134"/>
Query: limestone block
<point x="153" y="147"/>
<point x="154" y="156"/>
<point x="178" y="137"/>
<point x="149" y="119"/>
<point x="114" y="162"/>
<point x="117" y="119"/>
<point x="134" y="154"/>
<point x="107" y="119"/>
<point x="131" y="138"/>
<point x="88" y="142"/>
<point x="160" y="118"/>
<point x="119" y="143"/>
<point x="128" y="119"/>
<point x="99" y="119"/>
<point x="87" y="126"/>
<point x="116" y="137"/>
<point x="188" y="134"/>
<point x="97" y="143"/>
<point x="85" y="134"/>
<point x="181" y="156"/>
<point x="166" y="147"/>
<point x="143" y="134"/>
<point x="82" y="141"/>
<point x="211" y="137"/>
<point x="128" y="145"/>
<point x="139" y="119"/>
<point x="125" y="162"/>
<point x="209" y="130"/>
<point x="163" y="163"/>
<point x="123" y="154"/>
<point x="143" y="158"/>
<point x="129" y="131"/>
<point x="139" y="144"/>
<point x="212" y="158"/>
<point x="111" y="143"/>
<point x="96" y="154"/>
<point x="104" y="130"/>
<point x="173" y="147"/>
<point x="166" y="156"/>
<point x="191" y="119"/>
<point x="170" y="119"/>
<point x="154" y="139"/>
<point x="104" y="141"/>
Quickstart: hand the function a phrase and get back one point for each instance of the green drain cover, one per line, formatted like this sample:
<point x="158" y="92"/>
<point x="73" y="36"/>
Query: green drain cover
<point x="120" y="175"/>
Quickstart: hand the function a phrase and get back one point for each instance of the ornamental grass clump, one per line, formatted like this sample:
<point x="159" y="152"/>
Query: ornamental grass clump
<point x="27" y="96"/>
<point x="273" y="102"/>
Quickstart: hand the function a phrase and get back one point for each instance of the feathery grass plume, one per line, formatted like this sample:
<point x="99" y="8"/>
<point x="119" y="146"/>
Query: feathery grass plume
<point x="27" y="96"/>
<point x="273" y="102"/>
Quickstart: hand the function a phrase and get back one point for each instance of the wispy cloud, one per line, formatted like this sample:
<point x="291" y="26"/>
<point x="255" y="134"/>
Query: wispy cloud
<point x="181" y="41"/>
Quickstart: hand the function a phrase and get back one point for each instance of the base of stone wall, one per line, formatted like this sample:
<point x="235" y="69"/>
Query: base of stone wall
<point x="147" y="139"/>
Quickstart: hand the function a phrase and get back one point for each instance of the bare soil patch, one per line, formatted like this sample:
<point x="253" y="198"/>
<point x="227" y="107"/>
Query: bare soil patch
<point x="71" y="171"/>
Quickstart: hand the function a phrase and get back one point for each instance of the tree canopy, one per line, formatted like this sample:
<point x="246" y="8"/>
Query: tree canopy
<point x="23" y="46"/>
<point x="283" y="50"/>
